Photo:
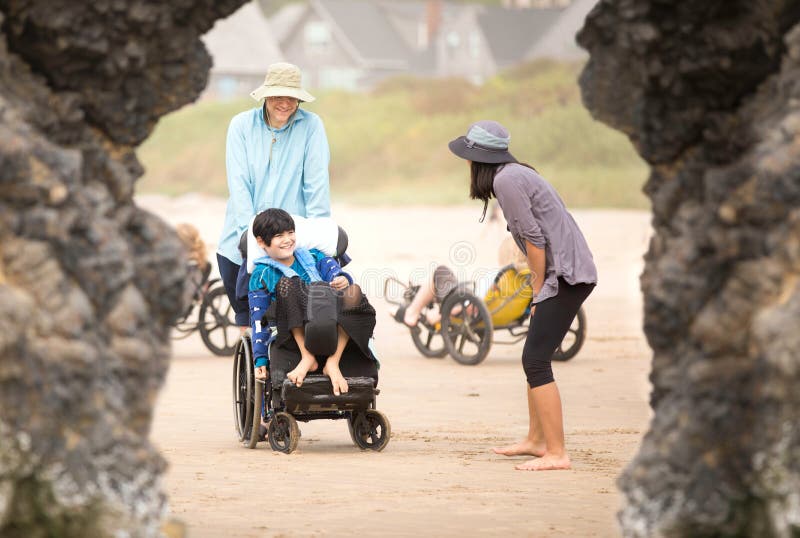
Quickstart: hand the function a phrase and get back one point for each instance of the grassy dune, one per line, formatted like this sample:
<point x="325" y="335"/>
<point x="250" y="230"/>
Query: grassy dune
<point x="390" y="146"/>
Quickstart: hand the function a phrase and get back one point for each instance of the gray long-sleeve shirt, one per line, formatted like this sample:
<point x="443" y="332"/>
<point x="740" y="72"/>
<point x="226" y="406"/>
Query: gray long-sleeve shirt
<point x="535" y="213"/>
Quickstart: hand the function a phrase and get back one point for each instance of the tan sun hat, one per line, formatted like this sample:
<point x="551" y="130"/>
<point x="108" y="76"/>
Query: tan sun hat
<point x="282" y="80"/>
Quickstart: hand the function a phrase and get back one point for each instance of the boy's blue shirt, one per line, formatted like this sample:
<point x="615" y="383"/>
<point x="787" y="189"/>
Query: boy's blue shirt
<point x="266" y="277"/>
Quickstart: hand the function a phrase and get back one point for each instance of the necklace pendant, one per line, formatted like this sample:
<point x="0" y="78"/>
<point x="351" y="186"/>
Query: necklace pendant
<point x="274" y="139"/>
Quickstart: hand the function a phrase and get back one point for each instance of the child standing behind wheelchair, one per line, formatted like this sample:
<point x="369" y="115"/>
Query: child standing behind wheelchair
<point x="286" y="273"/>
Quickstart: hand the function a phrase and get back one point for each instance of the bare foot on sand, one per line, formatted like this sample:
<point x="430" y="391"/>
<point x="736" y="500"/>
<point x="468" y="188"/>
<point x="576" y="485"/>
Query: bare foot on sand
<point x="307" y="364"/>
<point x="525" y="447"/>
<point x="546" y="463"/>
<point x="337" y="379"/>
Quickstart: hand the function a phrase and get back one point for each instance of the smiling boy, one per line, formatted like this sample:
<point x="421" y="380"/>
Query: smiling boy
<point x="285" y="272"/>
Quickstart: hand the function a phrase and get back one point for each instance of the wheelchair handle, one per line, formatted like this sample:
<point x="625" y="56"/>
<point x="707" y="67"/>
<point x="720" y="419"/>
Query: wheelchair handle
<point x="386" y="289"/>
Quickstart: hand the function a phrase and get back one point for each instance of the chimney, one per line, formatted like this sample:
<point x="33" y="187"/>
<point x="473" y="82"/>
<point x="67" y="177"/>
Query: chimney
<point x="433" y="18"/>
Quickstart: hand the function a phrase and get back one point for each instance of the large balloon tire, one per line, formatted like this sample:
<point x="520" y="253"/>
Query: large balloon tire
<point x="472" y="326"/>
<point x="215" y="320"/>
<point x="428" y="341"/>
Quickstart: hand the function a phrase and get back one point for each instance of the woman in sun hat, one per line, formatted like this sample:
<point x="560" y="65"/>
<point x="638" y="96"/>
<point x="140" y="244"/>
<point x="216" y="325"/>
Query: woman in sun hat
<point x="562" y="270"/>
<point x="276" y="155"/>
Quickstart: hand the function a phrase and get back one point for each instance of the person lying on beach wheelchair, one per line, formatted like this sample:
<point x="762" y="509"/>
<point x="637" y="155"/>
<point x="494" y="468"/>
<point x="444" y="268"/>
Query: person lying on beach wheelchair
<point x="445" y="315"/>
<point x="311" y="330"/>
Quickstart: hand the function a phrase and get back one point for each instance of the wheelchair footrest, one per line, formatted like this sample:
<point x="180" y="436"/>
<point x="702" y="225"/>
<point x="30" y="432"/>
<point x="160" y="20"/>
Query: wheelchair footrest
<point x="316" y="394"/>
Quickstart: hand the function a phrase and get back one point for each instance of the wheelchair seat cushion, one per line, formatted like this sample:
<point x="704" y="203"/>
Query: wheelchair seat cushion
<point x="353" y="364"/>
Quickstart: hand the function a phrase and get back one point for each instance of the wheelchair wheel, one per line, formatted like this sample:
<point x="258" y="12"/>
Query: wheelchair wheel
<point x="216" y="322"/>
<point x="370" y="429"/>
<point x="466" y="327"/>
<point x="428" y="341"/>
<point x="243" y="389"/>
<point x="258" y="403"/>
<point x="283" y="433"/>
<point x="573" y="340"/>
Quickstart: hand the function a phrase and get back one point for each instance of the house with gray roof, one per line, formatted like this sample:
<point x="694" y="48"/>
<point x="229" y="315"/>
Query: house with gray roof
<point x="353" y="44"/>
<point x="285" y="19"/>
<point x="241" y="47"/>
<point x="348" y="44"/>
<point x="478" y="41"/>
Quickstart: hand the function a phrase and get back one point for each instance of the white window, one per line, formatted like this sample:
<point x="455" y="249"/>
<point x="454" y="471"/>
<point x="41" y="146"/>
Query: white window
<point x="453" y="39"/>
<point x="422" y="36"/>
<point x="317" y="35"/>
<point x="474" y="46"/>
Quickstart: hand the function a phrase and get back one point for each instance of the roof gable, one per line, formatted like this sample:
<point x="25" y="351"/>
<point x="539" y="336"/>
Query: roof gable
<point x="559" y="41"/>
<point x="242" y="43"/>
<point x="511" y="33"/>
<point x="367" y="30"/>
<point x="284" y="21"/>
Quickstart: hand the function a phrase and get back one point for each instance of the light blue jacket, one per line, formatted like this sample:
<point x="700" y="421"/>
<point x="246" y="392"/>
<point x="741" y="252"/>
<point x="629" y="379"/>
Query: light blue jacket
<point x="268" y="272"/>
<point x="294" y="178"/>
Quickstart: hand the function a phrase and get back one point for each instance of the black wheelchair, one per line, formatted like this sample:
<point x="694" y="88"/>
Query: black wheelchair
<point x="280" y="404"/>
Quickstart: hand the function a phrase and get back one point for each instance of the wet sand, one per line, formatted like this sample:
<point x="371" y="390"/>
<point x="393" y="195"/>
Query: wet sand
<point x="438" y="476"/>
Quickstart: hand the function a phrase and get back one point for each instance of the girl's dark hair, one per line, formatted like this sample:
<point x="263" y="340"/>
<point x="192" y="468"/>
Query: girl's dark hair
<point x="271" y="222"/>
<point x="481" y="185"/>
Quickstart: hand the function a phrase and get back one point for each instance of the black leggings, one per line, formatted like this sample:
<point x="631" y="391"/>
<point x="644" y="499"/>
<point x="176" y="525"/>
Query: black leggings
<point x="549" y="325"/>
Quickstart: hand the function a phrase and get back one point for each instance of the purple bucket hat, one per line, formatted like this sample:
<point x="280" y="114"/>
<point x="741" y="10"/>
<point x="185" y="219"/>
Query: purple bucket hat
<point x="486" y="141"/>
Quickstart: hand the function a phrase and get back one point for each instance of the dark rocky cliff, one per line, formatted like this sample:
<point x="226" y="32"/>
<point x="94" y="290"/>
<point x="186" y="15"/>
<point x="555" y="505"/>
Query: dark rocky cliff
<point x="709" y="94"/>
<point x="88" y="282"/>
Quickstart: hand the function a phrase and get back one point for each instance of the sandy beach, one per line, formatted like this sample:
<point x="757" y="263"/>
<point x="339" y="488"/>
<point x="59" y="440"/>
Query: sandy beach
<point x="438" y="476"/>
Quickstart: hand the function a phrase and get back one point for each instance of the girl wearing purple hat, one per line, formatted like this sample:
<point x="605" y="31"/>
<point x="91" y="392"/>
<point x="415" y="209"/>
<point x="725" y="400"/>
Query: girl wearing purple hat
<point x="562" y="270"/>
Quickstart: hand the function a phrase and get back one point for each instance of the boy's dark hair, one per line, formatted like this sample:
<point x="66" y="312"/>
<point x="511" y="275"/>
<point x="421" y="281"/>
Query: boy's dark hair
<point x="271" y="222"/>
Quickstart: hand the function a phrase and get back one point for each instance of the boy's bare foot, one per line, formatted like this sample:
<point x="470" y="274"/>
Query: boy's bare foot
<point x="337" y="379"/>
<point x="525" y="447"/>
<point x="307" y="364"/>
<point x="546" y="463"/>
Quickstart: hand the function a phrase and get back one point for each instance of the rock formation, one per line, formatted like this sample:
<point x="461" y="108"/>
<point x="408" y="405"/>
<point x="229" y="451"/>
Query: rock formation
<point x="89" y="283"/>
<point x="709" y="94"/>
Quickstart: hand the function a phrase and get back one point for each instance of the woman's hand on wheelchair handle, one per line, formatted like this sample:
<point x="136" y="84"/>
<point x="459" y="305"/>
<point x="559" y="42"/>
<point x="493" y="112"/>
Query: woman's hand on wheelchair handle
<point x="262" y="372"/>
